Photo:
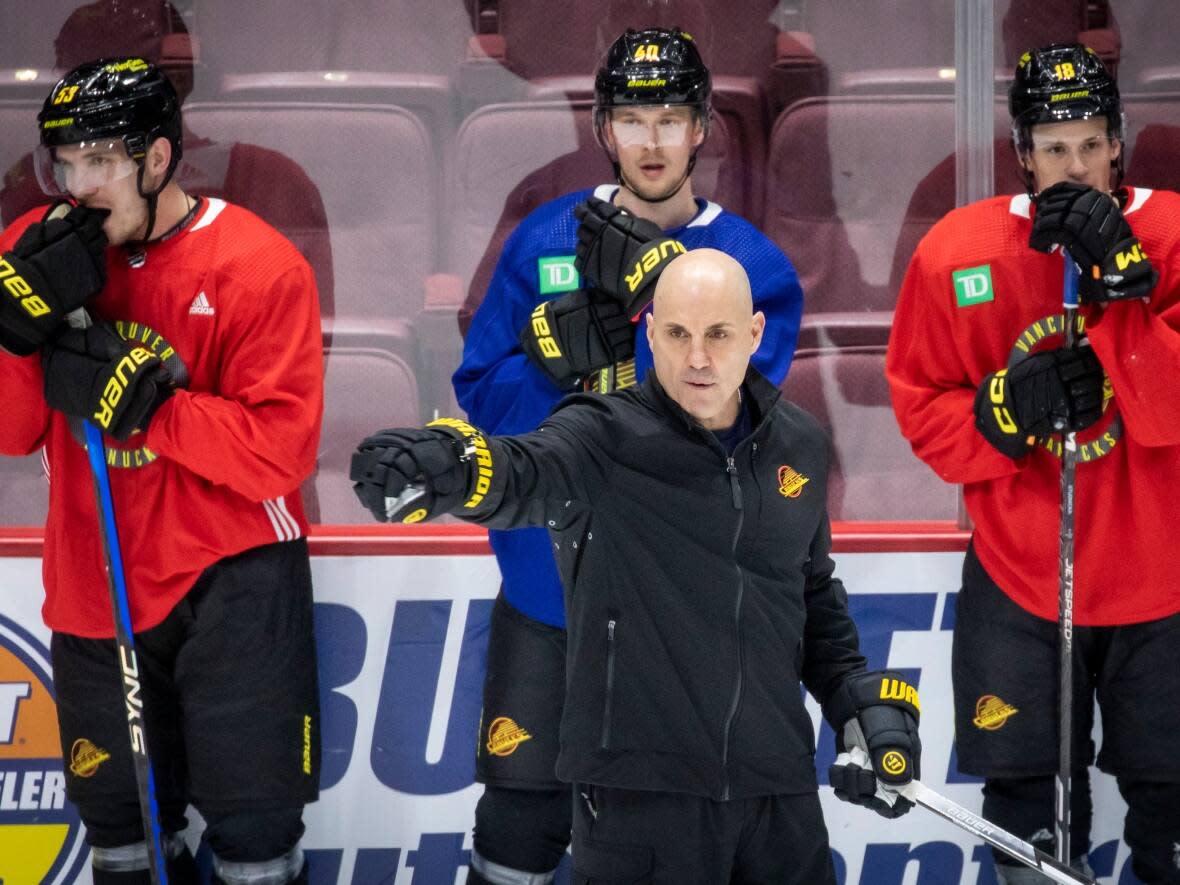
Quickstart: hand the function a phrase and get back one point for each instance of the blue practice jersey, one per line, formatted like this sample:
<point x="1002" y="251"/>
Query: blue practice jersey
<point x="504" y="393"/>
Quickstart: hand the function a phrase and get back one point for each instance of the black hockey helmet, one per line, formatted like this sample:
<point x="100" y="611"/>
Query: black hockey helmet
<point x="121" y="99"/>
<point x="113" y="98"/>
<point x="655" y="66"/>
<point x="1061" y="82"/>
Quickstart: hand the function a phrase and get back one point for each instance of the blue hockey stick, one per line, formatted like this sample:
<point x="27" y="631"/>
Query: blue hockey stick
<point x="128" y="663"/>
<point x="145" y="782"/>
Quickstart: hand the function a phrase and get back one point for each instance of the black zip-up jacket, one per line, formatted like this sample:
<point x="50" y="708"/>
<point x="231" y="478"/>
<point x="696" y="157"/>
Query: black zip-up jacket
<point x="699" y="588"/>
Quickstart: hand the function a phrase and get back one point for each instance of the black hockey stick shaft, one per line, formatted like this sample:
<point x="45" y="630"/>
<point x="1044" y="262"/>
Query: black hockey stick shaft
<point x="1069" y="461"/>
<point x="145" y="782"/>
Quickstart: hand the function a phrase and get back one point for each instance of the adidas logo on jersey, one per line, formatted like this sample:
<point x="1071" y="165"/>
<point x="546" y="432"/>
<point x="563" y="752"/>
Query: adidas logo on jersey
<point x="201" y="306"/>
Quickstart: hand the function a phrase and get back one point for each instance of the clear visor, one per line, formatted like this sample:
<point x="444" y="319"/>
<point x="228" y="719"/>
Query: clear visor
<point x="76" y="170"/>
<point x="1064" y="150"/>
<point x="653" y="127"/>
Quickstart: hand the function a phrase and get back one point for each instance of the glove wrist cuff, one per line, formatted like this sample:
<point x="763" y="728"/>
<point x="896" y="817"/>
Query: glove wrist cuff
<point x="474" y="453"/>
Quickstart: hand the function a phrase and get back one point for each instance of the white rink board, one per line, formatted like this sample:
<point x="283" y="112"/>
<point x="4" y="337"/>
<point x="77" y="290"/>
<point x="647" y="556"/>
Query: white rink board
<point x="401" y="644"/>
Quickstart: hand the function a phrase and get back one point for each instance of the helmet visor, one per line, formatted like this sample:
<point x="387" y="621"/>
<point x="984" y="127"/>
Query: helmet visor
<point x="667" y="126"/>
<point x="79" y="169"/>
<point x="1053" y="150"/>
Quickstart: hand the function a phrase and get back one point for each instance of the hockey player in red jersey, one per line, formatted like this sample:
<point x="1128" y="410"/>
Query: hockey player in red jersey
<point x="982" y="386"/>
<point x="204" y="369"/>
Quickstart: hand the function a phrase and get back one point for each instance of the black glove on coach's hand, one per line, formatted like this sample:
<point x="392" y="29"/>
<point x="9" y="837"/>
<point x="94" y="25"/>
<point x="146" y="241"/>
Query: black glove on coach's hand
<point x="621" y="254"/>
<point x="878" y="749"/>
<point x="407" y="474"/>
<point x="1050" y="392"/>
<point x="94" y="373"/>
<point x="576" y="334"/>
<point x="55" y="267"/>
<point x="1090" y="226"/>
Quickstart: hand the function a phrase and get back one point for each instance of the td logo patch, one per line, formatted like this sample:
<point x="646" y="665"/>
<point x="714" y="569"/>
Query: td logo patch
<point x="40" y="835"/>
<point x="973" y="285"/>
<point x="557" y="274"/>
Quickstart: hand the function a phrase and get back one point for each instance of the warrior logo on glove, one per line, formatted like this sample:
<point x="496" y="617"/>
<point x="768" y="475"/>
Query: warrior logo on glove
<point x="876" y="714"/>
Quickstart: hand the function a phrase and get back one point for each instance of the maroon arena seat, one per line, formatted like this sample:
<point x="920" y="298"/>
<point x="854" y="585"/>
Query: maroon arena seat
<point x="1153" y="139"/>
<point x="366" y="387"/>
<point x="875" y="476"/>
<point x="374" y="168"/>
<point x="24" y="493"/>
<point x="264" y="35"/>
<point x="842" y="172"/>
<point x="546" y="39"/>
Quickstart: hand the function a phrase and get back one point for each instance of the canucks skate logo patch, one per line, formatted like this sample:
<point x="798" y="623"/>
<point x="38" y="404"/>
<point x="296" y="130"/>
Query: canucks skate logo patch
<point x="791" y="482"/>
<point x="992" y="712"/>
<point x="85" y="758"/>
<point x="504" y="736"/>
<point x="557" y="274"/>
<point x="973" y="285"/>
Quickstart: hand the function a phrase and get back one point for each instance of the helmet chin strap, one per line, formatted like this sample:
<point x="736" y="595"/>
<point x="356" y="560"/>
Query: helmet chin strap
<point x="622" y="180"/>
<point x="151" y="198"/>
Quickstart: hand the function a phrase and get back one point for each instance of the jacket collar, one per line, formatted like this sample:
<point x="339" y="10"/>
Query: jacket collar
<point x="755" y="387"/>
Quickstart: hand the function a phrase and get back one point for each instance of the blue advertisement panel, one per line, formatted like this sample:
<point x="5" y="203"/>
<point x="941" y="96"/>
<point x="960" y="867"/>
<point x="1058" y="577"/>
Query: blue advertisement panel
<point x="402" y="641"/>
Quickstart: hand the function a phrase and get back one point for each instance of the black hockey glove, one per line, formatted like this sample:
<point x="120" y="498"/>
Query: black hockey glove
<point x="56" y="266"/>
<point x="1090" y="225"/>
<point x="876" y="720"/>
<point x="409" y="475"/>
<point x="621" y="254"/>
<point x="1053" y="391"/>
<point x="576" y="334"/>
<point x="94" y="373"/>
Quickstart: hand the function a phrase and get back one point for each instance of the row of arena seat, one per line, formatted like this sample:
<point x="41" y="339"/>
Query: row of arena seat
<point x="849" y="191"/>
<point x="846" y="186"/>
<point x="874" y="475"/>
<point x="487" y="51"/>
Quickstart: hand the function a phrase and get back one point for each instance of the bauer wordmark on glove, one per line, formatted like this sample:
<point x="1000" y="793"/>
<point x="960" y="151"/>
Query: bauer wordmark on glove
<point x="621" y="254"/>
<point x="94" y="373"/>
<point x="55" y="267"/>
<point x="576" y="334"/>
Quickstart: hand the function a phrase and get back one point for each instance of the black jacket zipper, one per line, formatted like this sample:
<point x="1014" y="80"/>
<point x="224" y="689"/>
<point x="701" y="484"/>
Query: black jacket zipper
<point x="731" y="469"/>
<point x="610" y="682"/>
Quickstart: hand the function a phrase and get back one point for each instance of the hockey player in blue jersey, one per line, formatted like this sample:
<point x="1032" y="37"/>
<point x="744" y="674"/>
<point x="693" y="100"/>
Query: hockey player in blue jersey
<point x="543" y="331"/>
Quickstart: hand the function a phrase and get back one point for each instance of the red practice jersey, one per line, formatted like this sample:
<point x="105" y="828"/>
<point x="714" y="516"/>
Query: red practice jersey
<point x="977" y="298"/>
<point x="231" y="308"/>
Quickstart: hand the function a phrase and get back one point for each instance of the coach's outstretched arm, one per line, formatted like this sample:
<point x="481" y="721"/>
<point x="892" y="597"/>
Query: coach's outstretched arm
<point x="409" y="475"/>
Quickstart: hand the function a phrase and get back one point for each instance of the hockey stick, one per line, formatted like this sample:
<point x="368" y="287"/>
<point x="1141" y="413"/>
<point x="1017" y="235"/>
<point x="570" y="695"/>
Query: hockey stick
<point x="145" y="782"/>
<point x="1054" y="870"/>
<point x="1069" y="463"/>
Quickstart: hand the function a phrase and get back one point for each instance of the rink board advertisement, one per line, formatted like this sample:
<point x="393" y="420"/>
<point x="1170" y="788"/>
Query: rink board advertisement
<point x="402" y="640"/>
